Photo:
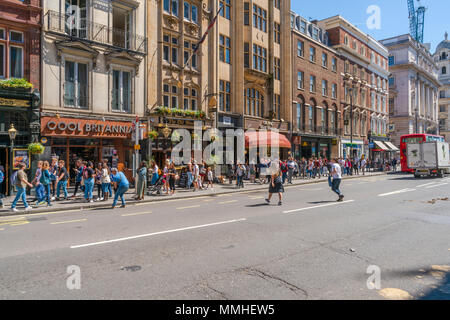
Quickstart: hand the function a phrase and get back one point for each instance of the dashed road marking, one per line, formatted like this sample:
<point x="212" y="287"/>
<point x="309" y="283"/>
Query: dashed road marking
<point x="69" y="221"/>
<point x="319" y="206"/>
<point x="188" y="207"/>
<point x="437" y="185"/>
<point x="158" y="233"/>
<point x="225" y="202"/>
<point x="135" y="214"/>
<point x="396" y="192"/>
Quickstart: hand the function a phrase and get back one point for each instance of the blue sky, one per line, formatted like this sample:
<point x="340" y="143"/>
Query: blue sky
<point x="394" y="16"/>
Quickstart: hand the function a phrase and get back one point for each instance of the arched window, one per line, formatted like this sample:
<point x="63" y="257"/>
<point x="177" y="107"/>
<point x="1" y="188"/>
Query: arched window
<point x="312" y="114"/>
<point x="363" y="125"/>
<point x="333" y="117"/>
<point x="347" y="121"/>
<point x="356" y="123"/>
<point x="324" y="117"/>
<point x="254" y="102"/>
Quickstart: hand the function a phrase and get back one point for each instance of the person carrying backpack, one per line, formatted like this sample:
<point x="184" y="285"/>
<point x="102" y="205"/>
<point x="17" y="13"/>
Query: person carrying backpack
<point x="88" y="175"/>
<point x="21" y="183"/>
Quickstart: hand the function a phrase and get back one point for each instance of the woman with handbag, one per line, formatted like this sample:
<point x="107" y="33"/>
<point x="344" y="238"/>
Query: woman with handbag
<point x="276" y="186"/>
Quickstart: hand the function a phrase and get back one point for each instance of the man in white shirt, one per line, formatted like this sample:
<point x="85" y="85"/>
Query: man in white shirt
<point x="363" y="165"/>
<point x="196" y="173"/>
<point x="336" y="173"/>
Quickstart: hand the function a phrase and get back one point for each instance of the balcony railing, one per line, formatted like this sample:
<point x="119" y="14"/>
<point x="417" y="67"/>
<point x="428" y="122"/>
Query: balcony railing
<point x="87" y="30"/>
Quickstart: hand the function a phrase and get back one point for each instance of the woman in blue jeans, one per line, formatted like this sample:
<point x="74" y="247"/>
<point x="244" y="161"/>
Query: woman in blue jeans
<point x="89" y="182"/>
<point x="45" y="180"/>
<point x="122" y="186"/>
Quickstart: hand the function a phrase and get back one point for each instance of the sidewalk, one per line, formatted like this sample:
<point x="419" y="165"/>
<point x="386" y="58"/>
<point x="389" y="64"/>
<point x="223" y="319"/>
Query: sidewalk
<point x="219" y="189"/>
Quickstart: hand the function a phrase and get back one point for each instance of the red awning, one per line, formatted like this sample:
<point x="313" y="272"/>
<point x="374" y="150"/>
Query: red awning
<point x="266" y="139"/>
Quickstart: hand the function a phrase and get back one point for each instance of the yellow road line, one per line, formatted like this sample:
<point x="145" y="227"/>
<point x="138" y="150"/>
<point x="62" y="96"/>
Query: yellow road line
<point x="47" y="213"/>
<point x="135" y="214"/>
<point x="21" y="223"/>
<point x="70" y="221"/>
<point x="225" y="202"/>
<point x="190" y="207"/>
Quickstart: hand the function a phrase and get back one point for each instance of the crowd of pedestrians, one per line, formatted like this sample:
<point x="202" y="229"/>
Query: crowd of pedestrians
<point x="50" y="180"/>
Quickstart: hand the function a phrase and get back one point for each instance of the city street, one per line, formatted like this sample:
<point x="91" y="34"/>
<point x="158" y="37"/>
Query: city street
<point x="234" y="246"/>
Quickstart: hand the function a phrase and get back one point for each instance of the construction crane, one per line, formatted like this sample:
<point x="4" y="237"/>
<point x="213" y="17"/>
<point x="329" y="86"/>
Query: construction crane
<point x="416" y="20"/>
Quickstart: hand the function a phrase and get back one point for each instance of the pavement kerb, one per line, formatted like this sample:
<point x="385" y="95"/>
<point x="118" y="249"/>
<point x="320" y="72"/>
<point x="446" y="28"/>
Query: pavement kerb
<point x="83" y="206"/>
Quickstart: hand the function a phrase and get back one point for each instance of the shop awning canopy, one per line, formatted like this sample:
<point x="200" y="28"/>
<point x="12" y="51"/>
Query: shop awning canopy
<point x="381" y="145"/>
<point x="393" y="147"/>
<point x="266" y="139"/>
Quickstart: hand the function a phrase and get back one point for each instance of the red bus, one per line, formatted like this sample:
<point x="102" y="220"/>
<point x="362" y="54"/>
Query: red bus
<point x="414" y="138"/>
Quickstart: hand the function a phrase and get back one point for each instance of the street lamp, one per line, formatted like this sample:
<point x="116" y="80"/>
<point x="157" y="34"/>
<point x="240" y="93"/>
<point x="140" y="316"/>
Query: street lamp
<point x="12" y="136"/>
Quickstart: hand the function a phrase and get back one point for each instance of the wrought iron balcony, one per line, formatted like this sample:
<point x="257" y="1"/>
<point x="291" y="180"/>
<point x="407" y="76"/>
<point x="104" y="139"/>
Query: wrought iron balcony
<point x="86" y="30"/>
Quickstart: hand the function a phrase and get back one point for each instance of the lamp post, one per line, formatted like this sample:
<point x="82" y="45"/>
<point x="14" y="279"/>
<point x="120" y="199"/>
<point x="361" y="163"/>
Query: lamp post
<point x="166" y="131"/>
<point x="12" y="136"/>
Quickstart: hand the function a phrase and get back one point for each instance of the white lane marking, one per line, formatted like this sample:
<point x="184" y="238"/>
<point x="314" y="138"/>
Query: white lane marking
<point x="158" y="233"/>
<point x="71" y="221"/>
<point x="225" y="202"/>
<point x="135" y="214"/>
<point x="319" y="206"/>
<point x="396" y="192"/>
<point x="189" y="207"/>
<point x="437" y="185"/>
<point x="426" y="184"/>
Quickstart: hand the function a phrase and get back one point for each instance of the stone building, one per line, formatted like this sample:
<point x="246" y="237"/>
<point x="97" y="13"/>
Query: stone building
<point x="20" y="57"/>
<point x="236" y="76"/>
<point x="442" y="58"/>
<point x="363" y="87"/>
<point x="316" y="125"/>
<point x="94" y="74"/>
<point x="413" y="87"/>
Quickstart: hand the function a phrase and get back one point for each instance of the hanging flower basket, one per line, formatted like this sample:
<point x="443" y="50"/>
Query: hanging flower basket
<point x="153" y="135"/>
<point x="176" y="136"/>
<point x="36" y="148"/>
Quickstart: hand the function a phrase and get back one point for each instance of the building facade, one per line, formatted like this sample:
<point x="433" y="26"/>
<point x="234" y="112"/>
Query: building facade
<point x="235" y="78"/>
<point x="442" y="58"/>
<point x="94" y="79"/>
<point x="317" y="111"/>
<point x="20" y="57"/>
<point x="363" y="89"/>
<point x="413" y="88"/>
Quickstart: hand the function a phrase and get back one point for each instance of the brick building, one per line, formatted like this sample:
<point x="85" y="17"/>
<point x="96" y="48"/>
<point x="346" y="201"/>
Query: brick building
<point x="364" y="88"/>
<point x="20" y="57"/>
<point x="316" y="120"/>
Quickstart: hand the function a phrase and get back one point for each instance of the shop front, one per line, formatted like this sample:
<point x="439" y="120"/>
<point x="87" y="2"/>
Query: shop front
<point x="72" y="139"/>
<point x="308" y="147"/>
<point x="19" y="110"/>
<point x="356" y="146"/>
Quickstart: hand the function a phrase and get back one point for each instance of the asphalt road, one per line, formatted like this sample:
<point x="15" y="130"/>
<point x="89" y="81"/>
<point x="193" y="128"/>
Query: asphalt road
<point x="236" y="247"/>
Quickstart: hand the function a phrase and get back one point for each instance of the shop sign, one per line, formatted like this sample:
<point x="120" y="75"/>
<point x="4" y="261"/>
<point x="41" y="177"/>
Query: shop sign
<point x="14" y="102"/>
<point x="297" y="140"/>
<point x="21" y="156"/>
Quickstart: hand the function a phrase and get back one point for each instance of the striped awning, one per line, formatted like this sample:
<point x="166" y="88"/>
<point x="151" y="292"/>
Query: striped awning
<point x="393" y="147"/>
<point x="381" y="145"/>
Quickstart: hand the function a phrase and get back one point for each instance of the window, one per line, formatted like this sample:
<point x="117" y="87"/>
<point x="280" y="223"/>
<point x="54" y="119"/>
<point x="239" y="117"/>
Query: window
<point x="354" y="45"/>
<point x="391" y="81"/>
<point x="391" y="60"/>
<point x="170" y="96"/>
<point x="76" y="85"/>
<point x="299" y="112"/>
<point x="315" y="33"/>
<point x="324" y="60"/>
<point x="300" y="80"/>
<point x="303" y="26"/>
<point x="170" y="49"/>
<point x="334" y="91"/>
<point x="312" y="54"/>
<point x="187" y="11"/>
<point x="442" y="109"/>
<point x="312" y="83"/>
<point x="300" y="46"/>
<point x="121" y="99"/>
<point x="188" y="50"/>
<point x="259" y="58"/>
<point x="346" y="40"/>
<point x="190" y="96"/>
<point x="442" y="94"/>
<point x="277" y="32"/>
<point x="325" y="88"/>
<point x="346" y="67"/>
<point x="225" y="49"/>
<point x="171" y="6"/>
<point x="76" y="27"/>
<point x="311" y="126"/>
<point x="362" y="51"/>
<point x="372" y="100"/>
<point x="246" y="13"/>
<point x="16" y="36"/>
<point x="276" y="68"/>
<point x="444" y="70"/>
<point x="225" y="96"/>
<point x="194" y="16"/>
<point x="334" y="64"/>
<point x="254" y="102"/>
<point x="277" y="106"/>
<point x="277" y="4"/>
<point x="2" y="60"/>
<point x="259" y="18"/>
<point x="16" y="63"/>
<point x="363" y="98"/>
<point x="226" y="11"/>
<point x="246" y="55"/>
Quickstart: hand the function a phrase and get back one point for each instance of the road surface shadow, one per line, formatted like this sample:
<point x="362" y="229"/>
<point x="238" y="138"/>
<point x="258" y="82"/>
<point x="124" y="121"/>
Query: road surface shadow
<point x="320" y="202"/>
<point x="257" y="205"/>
